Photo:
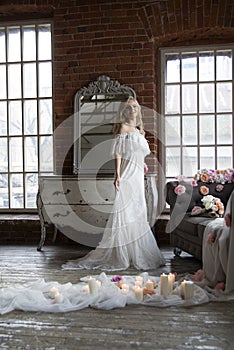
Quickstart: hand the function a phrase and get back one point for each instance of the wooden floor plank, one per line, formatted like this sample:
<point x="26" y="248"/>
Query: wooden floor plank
<point x="207" y="326"/>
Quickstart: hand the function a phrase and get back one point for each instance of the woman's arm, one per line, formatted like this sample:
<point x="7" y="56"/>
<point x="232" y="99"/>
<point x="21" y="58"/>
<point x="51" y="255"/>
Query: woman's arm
<point x="117" y="171"/>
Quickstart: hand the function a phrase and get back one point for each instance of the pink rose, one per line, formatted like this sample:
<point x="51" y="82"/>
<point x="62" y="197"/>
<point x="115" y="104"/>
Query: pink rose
<point x="196" y="208"/>
<point x="219" y="188"/>
<point x="227" y="219"/>
<point x="194" y="183"/>
<point x="179" y="190"/>
<point x="204" y="190"/>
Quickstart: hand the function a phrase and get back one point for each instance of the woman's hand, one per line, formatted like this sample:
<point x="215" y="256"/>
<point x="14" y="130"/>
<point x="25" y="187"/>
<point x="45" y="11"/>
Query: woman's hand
<point x="145" y="168"/>
<point x="117" y="182"/>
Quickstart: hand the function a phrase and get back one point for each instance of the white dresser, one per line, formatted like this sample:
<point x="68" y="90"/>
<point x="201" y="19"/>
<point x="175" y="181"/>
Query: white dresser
<point x="80" y="207"/>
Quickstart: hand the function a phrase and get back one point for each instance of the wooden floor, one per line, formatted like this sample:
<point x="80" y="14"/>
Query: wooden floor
<point x="209" y="326"/>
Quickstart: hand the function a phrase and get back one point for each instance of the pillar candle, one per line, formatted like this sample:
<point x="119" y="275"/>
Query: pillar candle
<point x="125" y="288"/>
<point x="171" y="280"/>
<point x="93" y="287"/>
<point x="149" y="285"/>
<point x="58" y="298"/>
<point x="138" y="293"/>
<point x="188" y="290"/>
<point x="139" y="281"/>
<point x="164" y="285"/>
<point x="53" y="291"/>
<point x="85" y="288"/>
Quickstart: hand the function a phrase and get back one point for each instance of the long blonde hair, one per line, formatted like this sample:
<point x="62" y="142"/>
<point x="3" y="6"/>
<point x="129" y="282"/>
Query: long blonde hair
<point x="122" y="118"/>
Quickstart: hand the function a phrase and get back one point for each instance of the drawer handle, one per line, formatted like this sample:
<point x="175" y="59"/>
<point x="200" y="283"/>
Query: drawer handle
<point x="61" y="192"/>
<point x="56" y="215"/>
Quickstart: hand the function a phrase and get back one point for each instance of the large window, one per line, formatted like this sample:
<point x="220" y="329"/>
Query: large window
<point x="197" y="110"/>
<point x="26" y="142"/>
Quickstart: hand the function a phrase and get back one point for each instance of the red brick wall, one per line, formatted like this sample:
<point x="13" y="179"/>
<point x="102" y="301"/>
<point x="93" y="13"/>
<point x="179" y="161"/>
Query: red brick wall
<point x="121" y="39"/>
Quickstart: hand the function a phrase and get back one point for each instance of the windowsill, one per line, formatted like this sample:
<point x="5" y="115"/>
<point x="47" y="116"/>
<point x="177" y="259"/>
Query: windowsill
<point x="20" y="217"/>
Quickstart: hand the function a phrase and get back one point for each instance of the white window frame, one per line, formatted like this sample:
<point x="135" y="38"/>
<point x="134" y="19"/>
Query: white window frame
<point x="163" y="178"/>
<point x="20" y="24"/>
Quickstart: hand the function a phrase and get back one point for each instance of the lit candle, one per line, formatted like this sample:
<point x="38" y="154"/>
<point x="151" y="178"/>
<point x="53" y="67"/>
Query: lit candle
<point x="85" y="288"/>
<point x="164" y="285"/>
<point x="139" y="281"/>
<point x="53" y="291"/>
<point x="125" y="288"/>
<point x="99" y="283"/>
<point x="58" y="298"/>
<point x="171" y="280"/>
<point x="149" y="285"/>
<point x="188" y="289"/>
<point x="93" y="287"/>
<point x="138" y="293"/>
<point x="182" y="289"/>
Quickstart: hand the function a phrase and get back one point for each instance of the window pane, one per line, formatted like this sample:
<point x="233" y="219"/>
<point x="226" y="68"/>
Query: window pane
<point x="45" y="119"/>
<point x="30" y="151"/>
<point x="45" y="79"/>
<point x="3" y="118"/>
<point x="189" y="98"/>
<point x="224" y="157"/>
<point x="3" y="81"/>
<point x="189" y="161"/>
<point x="224" y="65"/>
<point x="14" y="81"/>
<point x="207" y="129"/>
<point x="172" y="131"/>
<point x="2" y="45"/>
<point x="189" y="67"/>
<point x="224" y="128"/>
<point x="3" y="155"/>
<point x="16" y="154"/>
<point x="17" y="197"/>
<point x="29" y="75"/>
<point x="15" y="118"/>
<point x="224" y="97"/>
<point x="172" y="74"/>
<point x="46" y="153"/>
<point x="207" y="157"/>
<point x="206" y="66"/>
<point x="173" y="162"/>
<point x="44" y="42"/>
<point x="30" y="117"/>
<point x="31" y="186"/>
<point x="189" y="131"/>
<point x="4" y="200"/>
<point x="172" y="96"/>
<point x="13" y="35"/>
<point x="29" y="41"/>
<point x="206" y="98"/>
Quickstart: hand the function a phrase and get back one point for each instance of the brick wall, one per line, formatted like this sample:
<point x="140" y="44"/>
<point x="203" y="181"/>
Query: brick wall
<point x="121" y="39"/>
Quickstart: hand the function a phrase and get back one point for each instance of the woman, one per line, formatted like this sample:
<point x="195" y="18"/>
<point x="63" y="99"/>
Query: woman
<point x="127" y="239"/>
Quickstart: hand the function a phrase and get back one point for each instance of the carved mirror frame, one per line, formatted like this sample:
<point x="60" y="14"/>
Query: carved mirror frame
<point x="103" y="96"/>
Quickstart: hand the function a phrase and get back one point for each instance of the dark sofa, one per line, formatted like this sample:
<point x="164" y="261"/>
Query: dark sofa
<point x="186" y="231"/>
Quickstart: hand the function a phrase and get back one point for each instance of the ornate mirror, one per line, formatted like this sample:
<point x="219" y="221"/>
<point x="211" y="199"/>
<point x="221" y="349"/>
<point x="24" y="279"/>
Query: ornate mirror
<point x="95" y="111"/>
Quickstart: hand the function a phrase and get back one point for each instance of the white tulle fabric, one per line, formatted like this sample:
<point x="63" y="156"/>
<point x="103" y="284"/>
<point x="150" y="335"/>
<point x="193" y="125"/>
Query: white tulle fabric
<point x="127" y="239"/>
<point x="35" y="296"/>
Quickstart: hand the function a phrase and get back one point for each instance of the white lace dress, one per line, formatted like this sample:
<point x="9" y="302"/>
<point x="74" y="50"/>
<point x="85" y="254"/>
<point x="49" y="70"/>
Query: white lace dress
<point x="127" y="239"/>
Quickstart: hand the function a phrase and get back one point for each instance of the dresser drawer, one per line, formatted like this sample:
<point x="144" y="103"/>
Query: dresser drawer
<point x="88" y="191"/>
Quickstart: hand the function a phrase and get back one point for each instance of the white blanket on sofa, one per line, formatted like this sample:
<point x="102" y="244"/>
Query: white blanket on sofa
<point x="218" y="257"/>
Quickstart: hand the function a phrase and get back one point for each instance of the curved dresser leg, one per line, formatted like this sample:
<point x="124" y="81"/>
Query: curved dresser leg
<point x="43" y="236"/>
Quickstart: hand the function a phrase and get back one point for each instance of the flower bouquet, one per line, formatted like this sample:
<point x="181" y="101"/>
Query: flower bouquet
<point x="213" y="207"/>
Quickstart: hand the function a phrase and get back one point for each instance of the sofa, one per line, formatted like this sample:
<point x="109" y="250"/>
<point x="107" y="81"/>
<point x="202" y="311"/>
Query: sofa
<point x="186" y="231"/>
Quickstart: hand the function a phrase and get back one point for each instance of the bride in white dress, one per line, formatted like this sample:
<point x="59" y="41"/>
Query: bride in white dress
<point x="127" y="239"/>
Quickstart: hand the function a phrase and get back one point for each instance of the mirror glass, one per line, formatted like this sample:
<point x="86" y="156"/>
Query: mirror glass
<point x="96" y="111"/>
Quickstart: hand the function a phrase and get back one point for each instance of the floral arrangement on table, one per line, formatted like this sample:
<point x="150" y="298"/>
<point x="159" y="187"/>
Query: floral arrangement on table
<point x="212" y="205"/>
